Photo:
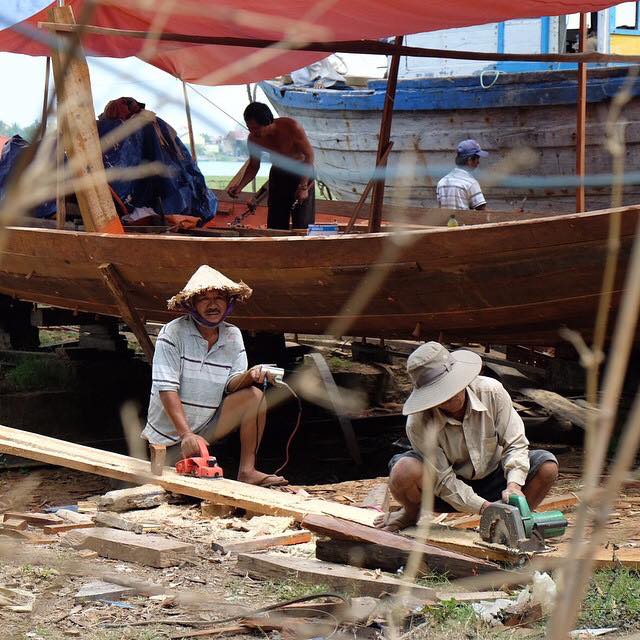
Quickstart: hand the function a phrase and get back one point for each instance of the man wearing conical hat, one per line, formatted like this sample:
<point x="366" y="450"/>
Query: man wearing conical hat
<point x="462" y="426"/>
<point x="201" y="388"/>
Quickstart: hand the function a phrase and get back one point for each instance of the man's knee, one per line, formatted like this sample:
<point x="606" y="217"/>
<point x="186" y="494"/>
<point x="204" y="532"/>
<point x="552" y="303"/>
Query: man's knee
<point x="252" y="395"/>
<point x="547" y="473"/>
<point x="407" y="472"/>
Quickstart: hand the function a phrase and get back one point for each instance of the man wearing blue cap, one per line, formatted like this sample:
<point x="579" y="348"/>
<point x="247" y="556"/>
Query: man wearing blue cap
<point x="459" y="189"/>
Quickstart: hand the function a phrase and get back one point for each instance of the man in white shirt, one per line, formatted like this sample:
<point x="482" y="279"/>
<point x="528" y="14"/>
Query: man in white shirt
<point x="465" y="427"/>
<point x="459" y="189"/>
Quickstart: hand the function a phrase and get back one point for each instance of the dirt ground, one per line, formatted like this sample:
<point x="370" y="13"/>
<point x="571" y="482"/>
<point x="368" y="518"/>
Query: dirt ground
<point x="204" y="586"/>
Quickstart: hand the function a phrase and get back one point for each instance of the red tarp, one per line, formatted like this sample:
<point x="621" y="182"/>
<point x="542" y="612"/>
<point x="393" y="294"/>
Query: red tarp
<point x="326" y="20"/>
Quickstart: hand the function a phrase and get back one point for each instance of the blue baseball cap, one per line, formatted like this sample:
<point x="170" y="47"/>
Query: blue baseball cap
<point x="468" y="148"/>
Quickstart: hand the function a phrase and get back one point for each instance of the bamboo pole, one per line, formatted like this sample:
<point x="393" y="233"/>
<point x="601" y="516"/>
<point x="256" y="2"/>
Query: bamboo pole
<point x="581" y="117"/>
<point x="377" y="197"/>
<point x="187" y="108"/>
<point x="349" y="46"/>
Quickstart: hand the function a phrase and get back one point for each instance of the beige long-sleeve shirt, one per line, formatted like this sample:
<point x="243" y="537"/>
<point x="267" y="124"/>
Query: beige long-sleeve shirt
<point x="490" y="433"/>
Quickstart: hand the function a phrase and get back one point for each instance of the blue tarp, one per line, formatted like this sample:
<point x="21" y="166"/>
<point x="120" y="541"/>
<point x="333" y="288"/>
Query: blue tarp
<point x="184" y="192"/>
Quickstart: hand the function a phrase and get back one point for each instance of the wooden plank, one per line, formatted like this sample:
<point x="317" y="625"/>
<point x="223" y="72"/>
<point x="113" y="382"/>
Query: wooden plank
<point x="80" y="133"/>
<point x="438" y="559"/>
<point x="372" y="556"/>
<point x="150" y="550"/>
<point x="34" y="519"/>
<point x="116" y="286"/>
<point x="343" y="578"/>
<point x="14" y="523"/>
<point x="221" y="491"/>
<point x="262" y="542"/>
<point x="550" y="503"/>
<point x="66" y="526"/>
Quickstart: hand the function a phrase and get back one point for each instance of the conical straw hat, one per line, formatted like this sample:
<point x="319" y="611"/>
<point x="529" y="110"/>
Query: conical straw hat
<point x="208" y="279"/>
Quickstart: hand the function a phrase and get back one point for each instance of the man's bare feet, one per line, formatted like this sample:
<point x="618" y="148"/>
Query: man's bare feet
<point x="260" y="479"/>
<point x="397" y="520"/>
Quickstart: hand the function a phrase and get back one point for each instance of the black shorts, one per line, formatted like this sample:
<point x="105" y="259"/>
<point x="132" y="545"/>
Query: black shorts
<point x="491" y="486"/>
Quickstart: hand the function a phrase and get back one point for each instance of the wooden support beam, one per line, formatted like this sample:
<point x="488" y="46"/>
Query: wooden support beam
<point x="437" y="559"/>
<point x="377" y="198"/>
<point x="581" y="117"/>
<point x="367" y="190"/>
<point x="372" y="47"/>
<point x="221" y="491"/>
<point x="340" y="577"/>
<point x="80" y="133"/>
<point x="187" y="108"/>
<point x="116" y="286"/>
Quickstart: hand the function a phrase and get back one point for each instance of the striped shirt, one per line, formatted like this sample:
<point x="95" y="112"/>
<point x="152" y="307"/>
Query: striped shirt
<point x="459" y="190"/>
<point x="184" y="363"/>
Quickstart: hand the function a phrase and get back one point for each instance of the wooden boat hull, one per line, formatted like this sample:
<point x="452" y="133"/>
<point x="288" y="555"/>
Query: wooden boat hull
<point x="513" y="282"/>
<point x="431" y="115"/>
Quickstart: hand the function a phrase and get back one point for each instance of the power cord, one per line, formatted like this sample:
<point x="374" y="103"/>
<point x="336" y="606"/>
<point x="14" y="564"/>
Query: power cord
<point x="265" y="386"/>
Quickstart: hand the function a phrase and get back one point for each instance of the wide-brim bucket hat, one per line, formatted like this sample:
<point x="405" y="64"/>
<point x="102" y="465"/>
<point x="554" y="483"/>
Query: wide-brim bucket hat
<point x="208" y="279"/>
<point x="438" y="375"/>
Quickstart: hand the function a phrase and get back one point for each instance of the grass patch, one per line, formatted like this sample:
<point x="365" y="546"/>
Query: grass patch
<point x="34" y="373"/>
<point x="612" y="600"/>
<point x="290" y="589"/>
<point x="336" y="363"/>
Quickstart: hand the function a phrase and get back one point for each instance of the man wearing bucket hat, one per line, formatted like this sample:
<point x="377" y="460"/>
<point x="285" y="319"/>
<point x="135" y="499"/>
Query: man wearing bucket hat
<point x="459" y="189"/>
<point x="201" y="387"/>
<point x="465" y="427"/>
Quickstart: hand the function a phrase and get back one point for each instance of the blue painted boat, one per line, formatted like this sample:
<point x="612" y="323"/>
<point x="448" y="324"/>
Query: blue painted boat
<point x="507" y="107"/>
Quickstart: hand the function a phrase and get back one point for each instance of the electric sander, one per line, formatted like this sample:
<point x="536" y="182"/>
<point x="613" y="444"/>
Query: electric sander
<point x="515" y="526"/>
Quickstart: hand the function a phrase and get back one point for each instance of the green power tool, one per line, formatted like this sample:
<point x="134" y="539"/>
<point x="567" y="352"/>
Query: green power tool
<point x="516" y="527"/>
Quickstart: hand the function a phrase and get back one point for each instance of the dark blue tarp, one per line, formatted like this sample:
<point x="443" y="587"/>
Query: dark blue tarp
<point x="184" y="192"/>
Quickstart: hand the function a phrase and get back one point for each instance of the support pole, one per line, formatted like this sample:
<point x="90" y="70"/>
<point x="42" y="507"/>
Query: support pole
<point x="45" y="98"/>
<point x="377" y="199"/>
<point x="77" y="120"/>
<point x="116" y="286"/>
<point x="581" y="117"/>
<point x="187" y="108"/>
<point x="365" y="193"/>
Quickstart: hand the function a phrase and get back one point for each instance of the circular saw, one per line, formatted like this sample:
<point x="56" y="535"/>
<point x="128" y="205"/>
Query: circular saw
<point x="514" y="525"/>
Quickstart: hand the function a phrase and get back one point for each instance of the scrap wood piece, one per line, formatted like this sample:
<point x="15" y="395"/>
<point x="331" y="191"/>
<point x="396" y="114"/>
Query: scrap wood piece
<point x="563" y="502"/>
<point x="556" y="404"/>
<point x="221" y="491"/>
<point x="455" y="564"/>
<point x="14" y="523"/>
<point x="34" y="519"/>
<point x="66" y="526"/>
<point x="108" y="519"/>
<point x="262" y="542"/>
<point x="146" y="496"/>
<point x="25" y="536"/>
<point x="291" y="628"/>
<point x="100" y="590"/>
<point x="340" y="577"/>
<point x="148" y="549"/>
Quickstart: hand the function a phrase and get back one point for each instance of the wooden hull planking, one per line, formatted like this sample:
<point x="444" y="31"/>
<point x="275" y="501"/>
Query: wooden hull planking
<point x="512" y="282"/>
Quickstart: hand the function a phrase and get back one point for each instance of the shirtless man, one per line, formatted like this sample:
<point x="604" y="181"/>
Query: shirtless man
<point x="291" y="195"/>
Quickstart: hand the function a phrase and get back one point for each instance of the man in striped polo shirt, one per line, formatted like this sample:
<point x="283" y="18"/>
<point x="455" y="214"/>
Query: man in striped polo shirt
<point x="201" y="387"/>
<point x="459" y="189"/>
